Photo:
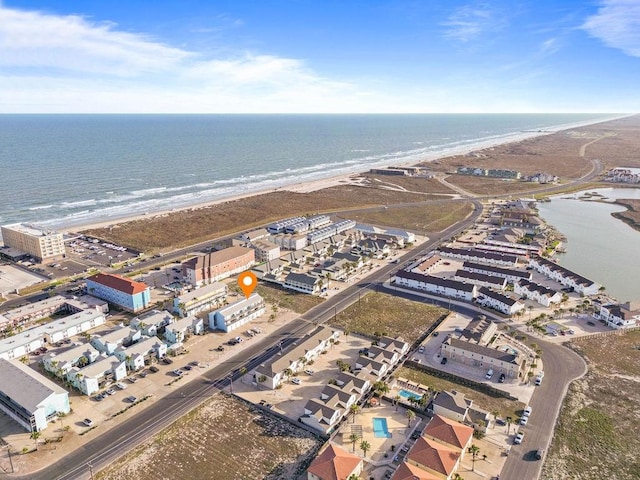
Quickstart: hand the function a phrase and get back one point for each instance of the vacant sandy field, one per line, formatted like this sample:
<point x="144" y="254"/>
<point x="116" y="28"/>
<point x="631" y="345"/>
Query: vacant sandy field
<point x="224" y="439"/>
<point x="596" y="435"/>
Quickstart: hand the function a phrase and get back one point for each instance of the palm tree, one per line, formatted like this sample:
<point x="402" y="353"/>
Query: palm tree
<point x="288" y="373"/>
<point x="35" y="435"/>
<point x="457" y="476"/>
<point x="354" y="409"/>
<point x="365" y="447"/>
<point x="380" y="388"/>
<point x="495" y="414"/>
<point x="353" y="438"/>
<point x="353" y="476"/>
<point x="474" y="449"/>
<point x="410" y="416"/>
<point x="396" y="399"/>
<point x="262" y="379"/>
<point x="509" y="420"/>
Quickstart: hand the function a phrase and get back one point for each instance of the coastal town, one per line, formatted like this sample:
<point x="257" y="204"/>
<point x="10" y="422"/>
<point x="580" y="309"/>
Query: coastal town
<point x="96" y="335"/>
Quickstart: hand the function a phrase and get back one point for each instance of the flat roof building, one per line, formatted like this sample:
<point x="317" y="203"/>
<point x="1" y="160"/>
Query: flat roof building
<point x="30" y="398"/>
<point x="41" y="244"/>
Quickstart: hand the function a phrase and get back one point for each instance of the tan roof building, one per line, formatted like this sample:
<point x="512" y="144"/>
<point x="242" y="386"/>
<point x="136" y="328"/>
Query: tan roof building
<point x="334" y="463"/>
<point x="434" y="457"/>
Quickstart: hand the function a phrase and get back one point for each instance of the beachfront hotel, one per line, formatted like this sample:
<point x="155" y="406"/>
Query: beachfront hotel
<point x="41" y="244"/>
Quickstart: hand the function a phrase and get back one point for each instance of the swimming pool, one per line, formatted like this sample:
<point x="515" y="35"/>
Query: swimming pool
<point x="407" y="394"/>
<point x="380" y="429"/>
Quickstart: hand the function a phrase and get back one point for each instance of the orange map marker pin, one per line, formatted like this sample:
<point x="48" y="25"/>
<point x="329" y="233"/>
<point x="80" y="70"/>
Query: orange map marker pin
<point x="247" y="282"/>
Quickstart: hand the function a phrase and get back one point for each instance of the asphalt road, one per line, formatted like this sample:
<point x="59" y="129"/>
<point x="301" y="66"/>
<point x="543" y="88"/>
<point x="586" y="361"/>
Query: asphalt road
<point x="561" y="366"/>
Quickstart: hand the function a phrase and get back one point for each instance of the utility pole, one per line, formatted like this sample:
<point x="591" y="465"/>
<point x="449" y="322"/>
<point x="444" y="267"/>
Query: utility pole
<point x="231" y="383"/>
<point x="90" y="469"/>
<point x="10" y="458"/>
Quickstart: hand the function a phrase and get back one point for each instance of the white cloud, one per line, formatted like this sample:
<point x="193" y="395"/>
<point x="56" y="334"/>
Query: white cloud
<point x="469" y="22"/>
<point x="617" y="24"/>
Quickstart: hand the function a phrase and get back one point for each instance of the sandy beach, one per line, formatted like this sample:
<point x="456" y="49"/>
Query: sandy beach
<point x="352" y="178"/>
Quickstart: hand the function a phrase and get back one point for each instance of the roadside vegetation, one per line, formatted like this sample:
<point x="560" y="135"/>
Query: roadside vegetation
<point x="295" y="301"/>
<point x="596" y="434"/>
<point x="381" y="314"/>
<point x="223" y="439"/>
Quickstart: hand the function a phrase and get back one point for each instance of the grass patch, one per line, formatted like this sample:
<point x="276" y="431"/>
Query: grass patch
<point x="504" y="406"/>
<point x="389" y="315"/>
<point x="223" y="439"/>
<point x="433" y="217"/>
<point x="282" y="298"/>
<point x="594" y="436"/>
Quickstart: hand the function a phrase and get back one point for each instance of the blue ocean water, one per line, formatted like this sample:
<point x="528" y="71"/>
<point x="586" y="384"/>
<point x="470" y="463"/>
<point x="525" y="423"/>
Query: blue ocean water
<point x="67" y="170"/>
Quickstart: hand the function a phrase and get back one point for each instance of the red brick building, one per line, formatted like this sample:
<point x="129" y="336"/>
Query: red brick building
<point x="215" y="266"/>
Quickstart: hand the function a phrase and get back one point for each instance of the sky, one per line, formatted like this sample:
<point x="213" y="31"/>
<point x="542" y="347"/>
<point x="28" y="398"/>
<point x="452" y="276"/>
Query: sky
<point x="319" y="56"/>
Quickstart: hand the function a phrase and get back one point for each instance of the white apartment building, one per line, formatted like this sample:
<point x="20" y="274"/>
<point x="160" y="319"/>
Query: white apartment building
<point x="564" y="276"/>
<point x="534" y="291"/>
<point x="237" y="314"/>
<point x="41" y="244"/>
<point x="97" y="375"/>
<point x="438" y="286"/>
<point x="201" y="299"/>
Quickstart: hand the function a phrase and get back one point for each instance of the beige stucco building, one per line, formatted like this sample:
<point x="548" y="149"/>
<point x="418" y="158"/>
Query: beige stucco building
<point x="41" y="244"/>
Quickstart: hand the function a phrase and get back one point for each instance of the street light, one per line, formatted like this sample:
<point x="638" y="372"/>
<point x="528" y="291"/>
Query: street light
<point x="231" y="383"/>
<point x="90" y="469"/>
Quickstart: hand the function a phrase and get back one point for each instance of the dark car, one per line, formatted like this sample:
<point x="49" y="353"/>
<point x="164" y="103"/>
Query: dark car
<point x="154" y="369"/>
<point x="502" y="378"/>
<point x="443" y="361"/>
<point x="167" y="360"/>
<point x="539" y="454"/>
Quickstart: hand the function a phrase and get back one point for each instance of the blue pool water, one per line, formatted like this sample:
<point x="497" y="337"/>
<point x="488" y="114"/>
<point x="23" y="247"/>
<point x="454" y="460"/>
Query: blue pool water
<point x="408" y="394"/>
<point x="380" y="429"/>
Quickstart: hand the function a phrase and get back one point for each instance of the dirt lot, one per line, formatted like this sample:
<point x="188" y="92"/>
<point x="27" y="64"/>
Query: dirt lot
<point x="388" y="315"/>
<point x="596" y="435"/>
<point x="223" y="439"/>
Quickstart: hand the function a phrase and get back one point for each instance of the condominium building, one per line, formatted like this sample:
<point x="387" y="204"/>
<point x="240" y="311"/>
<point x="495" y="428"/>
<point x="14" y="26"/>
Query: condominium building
<point x="127" y="294"/>
<point x="200" y="300"/>
<point x="216" y="266"/>
<point x="41" y="244"/>
<point x="239" y="313"/>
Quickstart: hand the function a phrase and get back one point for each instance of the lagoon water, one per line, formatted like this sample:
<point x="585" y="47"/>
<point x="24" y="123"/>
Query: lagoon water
<point x="599" y="246"/>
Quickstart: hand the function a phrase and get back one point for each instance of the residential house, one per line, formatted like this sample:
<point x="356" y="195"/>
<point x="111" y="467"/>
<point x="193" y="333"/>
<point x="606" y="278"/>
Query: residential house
<point x="407" y="471"/>
<point x="511" y="275"/>
<point x="498" y="301"/>
<point x="265" y="250"/>
<point x="320" y="416"/>
<point x="212" y="267"/>
<point x="534" y="291"/>
<point x="281" y="225"/>
<point x="564" y="276"/>
<point x="30" y="398"/>
<point x="501" y="360"/>
<point x="436" y="285"/>
<point x="394" y="344"/>
<point x="152" y="323"/>
<point x="293" y="360"/>
<point x="109" y="342"/>
<point x="481" y="279"/>
<point x="621" y="315"/>
<point x="428" y="265"/>
<point x="477" y="255"/>
<point x="254" y="235"/>
<point x="305" y="283"/>
<point x="434" y="457"/>
<point x="453" y="405"/>
<point x="120" y="291"/>
<point x="141" y="353"/>
<point x="200" y="300"/>
<point x="350" y="382"/>
<point x="334" y="463"/>
<point x="177" y="332"/>
<point x="237" y="314"/>
<point x="373" y="367"/>
<point x="60" y="363"/>
<point x="448" y="432"/>
<point x="97" y="375"/>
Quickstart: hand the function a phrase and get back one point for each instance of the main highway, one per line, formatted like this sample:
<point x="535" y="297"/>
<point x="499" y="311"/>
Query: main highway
<point x="561" y="366"/>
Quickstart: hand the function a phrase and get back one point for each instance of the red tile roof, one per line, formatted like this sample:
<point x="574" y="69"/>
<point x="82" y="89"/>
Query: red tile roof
<point x="406" y="471"/>
<point x="118" y="282"/>
<point x="448" y="431"/>
<point x="433" y="455"/>
<point x="334" y="464"/>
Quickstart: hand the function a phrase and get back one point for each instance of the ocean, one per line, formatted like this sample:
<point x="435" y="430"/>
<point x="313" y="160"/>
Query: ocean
<point x="60" y="171"/>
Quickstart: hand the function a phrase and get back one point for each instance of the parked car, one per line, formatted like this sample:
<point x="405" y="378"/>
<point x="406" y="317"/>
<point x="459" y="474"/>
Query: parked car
<point x="88" y="422"/>
<point x="489" y="374"/>
<point x="154" y="369"/>
<point x="524" y="420"/>
<point x="519" y="438"/>
<point x="220" y="348"/>
<point x="167" y="360"/>
<point x="132" y="379"/>
<point x="539" y="454"/>
<point x="527" y="411"/>
<point x="111" y="391"/>
<point x="435" y="334"/>
<point x="308" y="371"/>
<point x="443" y="361"/>
<point x="131" y="399"/>
<point x="502" y="378"/>
<point x="187" y="367"/>
<point x="296" y="381"/>
<point x="195" y="363"/>
<point x="539" y="380"/>
<point x="121" y="386"/>
<point x="98" y="398"/>
<point x="178" y="372"/>
<point x="421" y="349"/>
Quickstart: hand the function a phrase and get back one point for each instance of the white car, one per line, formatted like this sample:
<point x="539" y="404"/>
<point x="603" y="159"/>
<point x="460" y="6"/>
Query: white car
<point x="519" y="438"/>
<point x="121" y="386"/>
<point x="88" y="422"/>
<point x="524" y="420"/>
<point x="527" y="411"/>
<point x="489" y="374"/>
<point x="296" y="381"/>
<point x="421" y="349"/>
<point x="308" y="371"/>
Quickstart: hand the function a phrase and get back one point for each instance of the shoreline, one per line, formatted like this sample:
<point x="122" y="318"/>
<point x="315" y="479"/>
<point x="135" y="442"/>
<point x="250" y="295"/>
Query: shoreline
<point x="334" y="180"/>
